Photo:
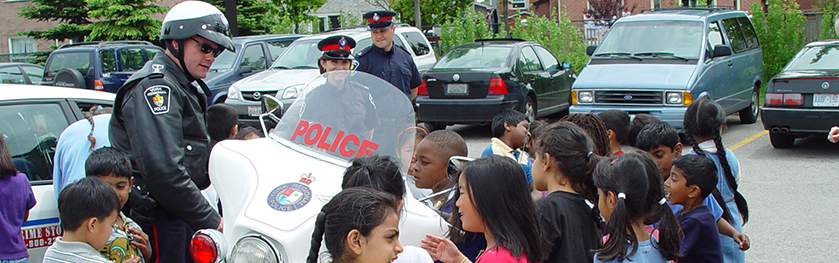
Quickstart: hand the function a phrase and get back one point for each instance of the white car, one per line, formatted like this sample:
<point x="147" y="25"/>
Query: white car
<point x="272" y="189"/>
<point x="32" y="118"/>
<point x="298" y="64"/>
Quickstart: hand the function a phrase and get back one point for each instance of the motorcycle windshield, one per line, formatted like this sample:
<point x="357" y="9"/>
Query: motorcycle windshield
<point x="349" y="114"/>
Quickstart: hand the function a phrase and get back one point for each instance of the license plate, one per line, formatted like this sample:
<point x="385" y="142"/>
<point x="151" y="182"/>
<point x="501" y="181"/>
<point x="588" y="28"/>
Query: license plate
<point x="825" y="100"/>
<point x="457" y="89"/>
<point x="254" y="110"/>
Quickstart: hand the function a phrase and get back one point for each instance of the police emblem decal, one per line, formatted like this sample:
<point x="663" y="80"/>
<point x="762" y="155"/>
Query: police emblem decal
<point x="290" y="197"/>
<point x="157" y="68"/>
<point x="376" y="17"/>
<point x="342" y="43"/>
<point x="158" y="99"/>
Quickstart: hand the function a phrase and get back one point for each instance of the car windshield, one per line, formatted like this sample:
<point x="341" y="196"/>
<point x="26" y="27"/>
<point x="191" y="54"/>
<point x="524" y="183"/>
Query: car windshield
<point x="663" y="39"/>
<point x="299" y="55"/>
<point x="815" y="58"/>
<point x="225" y="60"/>
<point x="365" y="116"/>
<point x="76" y="60"/>
<point x="474" y="57"/>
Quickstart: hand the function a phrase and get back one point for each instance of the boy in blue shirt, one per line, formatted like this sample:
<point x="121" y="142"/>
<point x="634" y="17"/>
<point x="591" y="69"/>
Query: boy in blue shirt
<point x="692" y="179"/>
<point x="510" y="133"/>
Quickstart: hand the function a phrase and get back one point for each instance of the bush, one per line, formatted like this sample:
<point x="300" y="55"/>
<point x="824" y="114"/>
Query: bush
<point x="466" y="27"/>
<point x="781" y="33"/>
<point x="829" y="9"/>
<point x="562" y="38"/>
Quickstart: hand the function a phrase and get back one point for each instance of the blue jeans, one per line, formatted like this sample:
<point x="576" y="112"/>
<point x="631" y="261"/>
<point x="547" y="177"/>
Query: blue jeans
<point x="20" y="260"/>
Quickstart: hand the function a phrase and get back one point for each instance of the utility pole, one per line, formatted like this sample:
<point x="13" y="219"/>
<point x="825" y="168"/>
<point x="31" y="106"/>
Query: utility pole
<point x="417" y="18"/>
<point x="230" y="14"/>
<point x="506" y="19"/>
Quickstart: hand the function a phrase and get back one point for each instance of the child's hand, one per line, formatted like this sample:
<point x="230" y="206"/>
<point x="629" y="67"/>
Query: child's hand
<point x="833" y="136"/>
<point x="443" y="249"/>
<point x="141" y="240"/>
<point x="133" y="259"/>
<point x="743" y="240"/>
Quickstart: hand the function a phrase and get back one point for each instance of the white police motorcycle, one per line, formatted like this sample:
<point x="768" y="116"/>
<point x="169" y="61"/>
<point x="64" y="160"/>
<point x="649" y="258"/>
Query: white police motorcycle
<point x="271" y="189"/>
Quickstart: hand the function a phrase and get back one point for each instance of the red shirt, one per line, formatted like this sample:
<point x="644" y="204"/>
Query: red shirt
<point x="618" y="153"/>
<point x="498" y="254"/>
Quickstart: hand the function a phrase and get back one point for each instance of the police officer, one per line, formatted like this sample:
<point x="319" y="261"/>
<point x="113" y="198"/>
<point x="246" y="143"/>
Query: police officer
<point x="384" y="59"/>
<point x="159" y="120"/>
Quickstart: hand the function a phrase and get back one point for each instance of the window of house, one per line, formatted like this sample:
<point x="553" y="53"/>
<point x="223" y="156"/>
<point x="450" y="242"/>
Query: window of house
<point x="22" y="45"/>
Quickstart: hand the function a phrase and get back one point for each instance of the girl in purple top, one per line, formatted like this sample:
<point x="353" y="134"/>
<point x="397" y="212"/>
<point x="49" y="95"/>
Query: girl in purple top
<point x="493" y="198"/>
<point x="18" y="198"/>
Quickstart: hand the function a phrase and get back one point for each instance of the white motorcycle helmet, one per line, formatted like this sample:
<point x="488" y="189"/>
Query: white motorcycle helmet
<point x="197" y="18"/>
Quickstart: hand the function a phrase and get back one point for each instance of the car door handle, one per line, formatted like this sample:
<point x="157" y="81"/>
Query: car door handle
<point x="730" y="64"/>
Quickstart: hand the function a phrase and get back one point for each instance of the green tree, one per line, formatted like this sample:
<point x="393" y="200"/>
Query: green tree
<point x="829" y="9"/>
<point x="781" y="33"/>
<point x="254" y="17"/>
<point x="562" y="38"/>
<point x="434" y="12"/>
<point x="124" y="20"/>
<point x="464" y="27"/>
<point x="70" y="14"/>
<point x="298" y="12"/>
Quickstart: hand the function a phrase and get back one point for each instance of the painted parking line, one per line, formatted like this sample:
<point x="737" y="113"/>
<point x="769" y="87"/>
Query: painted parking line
<point x="747" y="140"/>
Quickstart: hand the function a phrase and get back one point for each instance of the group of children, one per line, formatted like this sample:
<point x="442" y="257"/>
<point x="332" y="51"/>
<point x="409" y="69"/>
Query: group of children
<point x="595" y="202"/>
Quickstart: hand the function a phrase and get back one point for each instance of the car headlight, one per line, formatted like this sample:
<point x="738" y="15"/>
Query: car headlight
<point x="677" y="98"/>
<point x="585" y="96"/>
<point x="292" y="91"/>
<point x="254" y="249"/>
<point x="234" y="93"/>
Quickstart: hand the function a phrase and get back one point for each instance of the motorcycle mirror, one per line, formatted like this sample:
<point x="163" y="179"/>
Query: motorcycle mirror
<point x="456" y="164"/>
<point x="273" y="108"/>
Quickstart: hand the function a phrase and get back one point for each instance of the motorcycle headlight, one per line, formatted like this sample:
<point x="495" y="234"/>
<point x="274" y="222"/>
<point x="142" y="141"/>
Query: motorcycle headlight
<point x="254" y="249"/>
<point x="292" y="91"/>
<point x="234" y="93"/>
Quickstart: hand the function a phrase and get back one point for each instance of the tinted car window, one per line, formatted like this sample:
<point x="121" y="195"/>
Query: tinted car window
<point x="398" y="41"/>
<point x="131" y="59"/>
<point x="548" y="60"/>
<point x="735" y="35"/>
<point x="684" y="38"/>
<point x="300" y="55"/>
<point x="715" y="35"/>
<point x="474" y="57"/>
<point x="109" y="60"/>
<point x="226" y="59"/>
<point x="417" y="43"/>
<point x="31" y="135"/>
<point x="364" y="43"/>
<point x="528" y="60"/>
<point x="277" y="47"/>
<point x="11" y="75"/>
<point x="75" y="60"/>
<point x="254" y="57"/>
<point x="748" y="32"/>
<point x="150" y="52"/>
<point x="815" y="58"/>
<point x="35" y="74"/>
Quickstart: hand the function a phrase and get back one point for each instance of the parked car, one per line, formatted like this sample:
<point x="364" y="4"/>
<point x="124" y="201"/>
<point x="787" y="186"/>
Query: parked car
<point x="102" y="66"/>
<point x="31" y="119"/>
<point x="473" y="82"/>
<point x="21" y="73"/>
<point x="273" y="188"/>
<point x="803" y="99"/>
<point x="253" y="55"/>
<point x="298" y="65"/>
<point x="659" y="62"/>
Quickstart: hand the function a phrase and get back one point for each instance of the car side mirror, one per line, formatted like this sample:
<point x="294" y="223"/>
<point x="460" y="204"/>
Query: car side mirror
<point x="566" y="65"/>
<point x="273" y="108"/>
<point x="244" y="69"/>
<point x="590" y="49"/>
<point x="721" y="51"/>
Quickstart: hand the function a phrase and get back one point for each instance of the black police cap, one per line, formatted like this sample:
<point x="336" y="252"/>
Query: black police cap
<point x="379" y="19"/>
<point x="337" y="47"/>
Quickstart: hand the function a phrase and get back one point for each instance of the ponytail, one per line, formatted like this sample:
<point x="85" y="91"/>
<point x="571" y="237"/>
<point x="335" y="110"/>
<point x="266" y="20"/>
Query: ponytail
<point x="317" y="237"/>
<point x="90" y="137"/>
<point x="669" y="233"/>
<point x="739" y="200"/>
<point x="620" y="232"/>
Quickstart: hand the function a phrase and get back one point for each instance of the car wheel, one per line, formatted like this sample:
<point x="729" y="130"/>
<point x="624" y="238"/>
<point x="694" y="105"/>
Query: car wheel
<point x="749" y="114"/>
<point x="70" y="78"/>
<point x="530" y="109"/>
<point x="781" y="141"/>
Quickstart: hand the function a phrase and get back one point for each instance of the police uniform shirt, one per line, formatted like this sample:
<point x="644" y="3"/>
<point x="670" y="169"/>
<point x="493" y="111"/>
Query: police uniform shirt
<point x="355" y="111"/>
<point x="395" y="66"/>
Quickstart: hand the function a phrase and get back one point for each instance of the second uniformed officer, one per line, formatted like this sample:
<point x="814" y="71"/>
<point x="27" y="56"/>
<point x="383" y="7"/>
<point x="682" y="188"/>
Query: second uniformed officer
<point x="384" y="59"/>
<point x="159" y="120"/>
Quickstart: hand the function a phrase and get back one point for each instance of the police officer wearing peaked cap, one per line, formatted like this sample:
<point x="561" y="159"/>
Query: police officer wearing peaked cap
<point x="159" y="121"/>
<point x="384" y="59"/>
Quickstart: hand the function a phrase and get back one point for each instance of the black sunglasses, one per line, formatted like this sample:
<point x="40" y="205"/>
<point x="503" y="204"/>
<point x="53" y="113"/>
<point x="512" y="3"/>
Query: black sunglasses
<point x="207" y="48"/>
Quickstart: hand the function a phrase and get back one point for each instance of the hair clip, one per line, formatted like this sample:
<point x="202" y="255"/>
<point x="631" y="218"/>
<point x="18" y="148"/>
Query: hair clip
<point x="613" y="161"/>
<point x="621" y="196"/>
<point x="589" y="155"/>
<point x="662" y="201"/>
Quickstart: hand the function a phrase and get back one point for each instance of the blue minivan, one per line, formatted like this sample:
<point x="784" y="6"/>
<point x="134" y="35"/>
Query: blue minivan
<point x="658" y="62"/>
<point x="101" y="66"/>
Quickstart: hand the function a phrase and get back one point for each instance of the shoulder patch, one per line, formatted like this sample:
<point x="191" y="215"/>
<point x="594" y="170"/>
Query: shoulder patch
<point x="157" y="68"/>
<point x="158" y="98"/>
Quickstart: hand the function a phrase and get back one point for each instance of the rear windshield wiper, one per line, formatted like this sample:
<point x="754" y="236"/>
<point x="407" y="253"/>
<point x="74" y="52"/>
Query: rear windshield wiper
<point x="618" y="54"/>
<point x="661" y="54"/>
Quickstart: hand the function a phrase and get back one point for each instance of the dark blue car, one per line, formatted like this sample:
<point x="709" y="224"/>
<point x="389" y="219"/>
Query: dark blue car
<point x="102" y="66"/>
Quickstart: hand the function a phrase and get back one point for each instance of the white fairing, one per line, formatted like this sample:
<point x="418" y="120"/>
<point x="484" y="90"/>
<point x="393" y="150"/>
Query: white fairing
<point x="249" y="176"/>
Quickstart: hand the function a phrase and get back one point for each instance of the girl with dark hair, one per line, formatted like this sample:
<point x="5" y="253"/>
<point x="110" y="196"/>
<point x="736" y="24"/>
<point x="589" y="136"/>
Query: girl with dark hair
<point x="631" y="195"/>
<point x="703" y="123"/>
<point x="596" y="129"/>
<point x="382" y="173"/>
<point x="493" y="198"/>
<point x="18" y="198"/>
<point x="563" y="166"/>
<point x="358" y="225"/>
